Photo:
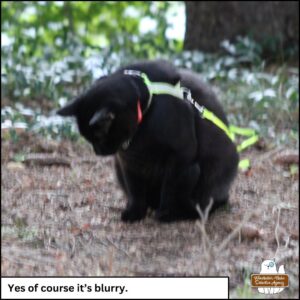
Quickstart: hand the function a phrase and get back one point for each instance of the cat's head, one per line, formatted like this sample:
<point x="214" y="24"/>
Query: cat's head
<point x="106" y="113"/>
<point x="269" y="266"/>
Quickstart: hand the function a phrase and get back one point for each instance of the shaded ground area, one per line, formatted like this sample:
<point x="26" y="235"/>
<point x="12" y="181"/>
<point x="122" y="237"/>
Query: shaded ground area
<point x="65" y="220"/>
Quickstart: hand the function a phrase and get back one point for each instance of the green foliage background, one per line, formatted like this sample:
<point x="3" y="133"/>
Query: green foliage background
<point x="59" y="42"/>
<point x="52" y="50"/>
<point x="53" y="28"/>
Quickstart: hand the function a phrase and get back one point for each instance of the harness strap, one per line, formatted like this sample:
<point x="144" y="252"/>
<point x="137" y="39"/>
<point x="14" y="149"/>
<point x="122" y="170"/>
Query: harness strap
<point x="183" y="93"/>
<point x="218" y="122"/>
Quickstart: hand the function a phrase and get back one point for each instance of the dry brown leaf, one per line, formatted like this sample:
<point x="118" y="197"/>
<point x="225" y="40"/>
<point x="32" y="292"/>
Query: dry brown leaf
<point x="251" y="232"/>
<point x="86" y="227"/>
<point x="75" y="230"/>
<point x="87" y="183"/>
<point x="248" y="231"/>
<point x="287" y="159"/>
<point x="91" y="199"/>
<point x="249" y="172"/>
<point x="294" y="235"/>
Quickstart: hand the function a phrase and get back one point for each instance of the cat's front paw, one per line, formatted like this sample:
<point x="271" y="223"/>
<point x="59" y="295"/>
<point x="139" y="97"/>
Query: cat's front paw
<point x="129" y="215"/>
<point x="174" y="215"/>
<point x="165" y="216"/>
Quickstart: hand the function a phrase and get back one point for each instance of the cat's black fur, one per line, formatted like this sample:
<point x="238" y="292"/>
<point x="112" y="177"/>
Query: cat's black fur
<point x="175" y="159"/>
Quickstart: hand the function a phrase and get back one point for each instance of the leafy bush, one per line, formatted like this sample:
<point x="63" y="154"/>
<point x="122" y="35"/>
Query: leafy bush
<point x="51" y="27"/>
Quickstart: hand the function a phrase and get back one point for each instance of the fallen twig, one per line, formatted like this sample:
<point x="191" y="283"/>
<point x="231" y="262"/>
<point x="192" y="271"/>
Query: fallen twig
<point x="117" y="247"/>
<point x="235" y="232"/>
<point x="45" y="159"/>
<point x="208" y="249"/>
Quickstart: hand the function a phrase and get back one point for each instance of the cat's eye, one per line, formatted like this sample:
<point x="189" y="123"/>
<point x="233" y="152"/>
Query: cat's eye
<point x="271" y="264"/>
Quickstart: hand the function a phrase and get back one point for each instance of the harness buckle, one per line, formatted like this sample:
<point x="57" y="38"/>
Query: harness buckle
<point x="133" y="72"/>
<point x="200" y="108"/>
<point x="187" y="94"/>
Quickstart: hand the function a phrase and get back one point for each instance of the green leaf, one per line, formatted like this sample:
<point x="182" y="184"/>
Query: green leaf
<point x="19" y="157"/>
<point x="294" y="169"/>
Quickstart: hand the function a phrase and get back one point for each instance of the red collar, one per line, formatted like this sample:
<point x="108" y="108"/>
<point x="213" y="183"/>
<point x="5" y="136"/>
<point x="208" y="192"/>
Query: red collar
<point x="139" y="112"/>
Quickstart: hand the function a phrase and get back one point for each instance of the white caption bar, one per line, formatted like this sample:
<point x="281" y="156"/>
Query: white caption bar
<point x="114" y="288"/>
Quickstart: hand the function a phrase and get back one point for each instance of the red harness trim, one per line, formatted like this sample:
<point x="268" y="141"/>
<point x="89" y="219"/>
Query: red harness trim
<point x="139" y="112"/>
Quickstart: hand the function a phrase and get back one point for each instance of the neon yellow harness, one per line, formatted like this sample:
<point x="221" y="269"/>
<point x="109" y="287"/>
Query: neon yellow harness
<point x="183" y="93"/>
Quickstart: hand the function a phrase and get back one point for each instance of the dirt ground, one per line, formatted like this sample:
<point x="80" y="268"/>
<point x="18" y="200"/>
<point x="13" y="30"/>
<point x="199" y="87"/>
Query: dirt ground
<point x="64" y="220"/>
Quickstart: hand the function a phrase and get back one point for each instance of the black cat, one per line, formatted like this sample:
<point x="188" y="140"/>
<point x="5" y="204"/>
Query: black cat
<point x="167" y="156"/>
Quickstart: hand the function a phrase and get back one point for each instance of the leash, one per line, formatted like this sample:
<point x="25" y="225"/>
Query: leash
<point x="183" y="93"/>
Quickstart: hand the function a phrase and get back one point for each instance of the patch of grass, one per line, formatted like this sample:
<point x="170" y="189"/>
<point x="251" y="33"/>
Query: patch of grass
<point x="19" y="231"/>
<point x="245" y="291"/>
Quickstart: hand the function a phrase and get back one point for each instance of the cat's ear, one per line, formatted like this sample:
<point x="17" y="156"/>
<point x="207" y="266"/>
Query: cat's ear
<point x="70" y="109"/>
<point x="103" y="116"/>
